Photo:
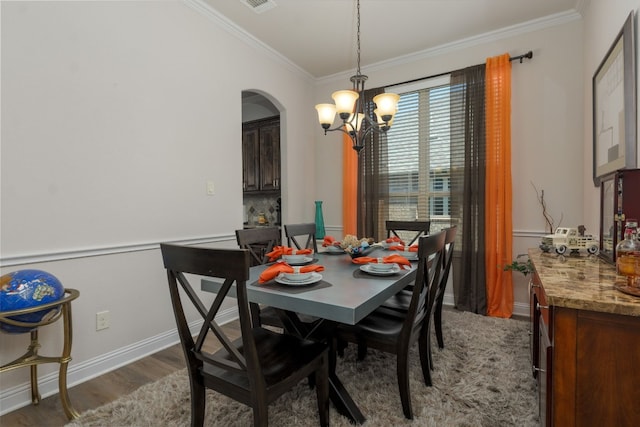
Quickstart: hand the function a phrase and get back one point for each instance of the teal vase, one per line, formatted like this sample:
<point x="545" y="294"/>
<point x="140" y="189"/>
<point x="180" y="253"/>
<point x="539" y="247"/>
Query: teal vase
<point x="319" y="220"/>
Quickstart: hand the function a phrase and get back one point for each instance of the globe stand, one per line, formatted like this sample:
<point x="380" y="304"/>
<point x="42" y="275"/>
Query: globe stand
<point x="32" y="359"/>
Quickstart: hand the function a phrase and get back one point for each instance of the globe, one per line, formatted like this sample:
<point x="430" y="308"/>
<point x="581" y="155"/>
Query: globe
<point x="26" y="289"/>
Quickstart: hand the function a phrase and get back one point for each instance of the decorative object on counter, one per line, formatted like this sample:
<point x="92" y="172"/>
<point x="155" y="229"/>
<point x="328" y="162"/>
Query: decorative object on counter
<point x="628" y="255"/>
<point x="262" y="219"/>
<point x="569" y="238"/>
<point x="618" y="200"/>
<point x="320" y="232"/>
<point x="545" y="213"/>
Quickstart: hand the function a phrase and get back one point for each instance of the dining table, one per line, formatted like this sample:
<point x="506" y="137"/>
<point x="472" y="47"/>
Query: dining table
<point x="345" y="294"/>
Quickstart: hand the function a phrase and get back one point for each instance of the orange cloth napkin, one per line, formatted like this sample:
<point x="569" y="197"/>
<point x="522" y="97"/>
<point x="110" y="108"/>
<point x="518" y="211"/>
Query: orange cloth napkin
<point x="394" y="239"/>
<point x="329" y="241"/>
<point x="412" y="248"/>
<point x="391" y="259"/>
<point x="272" y="272"/>
<point x="278" y="251"/>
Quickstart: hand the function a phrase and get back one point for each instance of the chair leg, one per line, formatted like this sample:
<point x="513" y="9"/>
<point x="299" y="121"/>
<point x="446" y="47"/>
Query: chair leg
<point x="403" y="383"/>
<point x="255" y="314"/>
<point x="260" y="414"/>
<point x="198" y="395"/>
<point x="437" y="317"/>
<point x="425" y="356"/>
<point x="322" y="391"/>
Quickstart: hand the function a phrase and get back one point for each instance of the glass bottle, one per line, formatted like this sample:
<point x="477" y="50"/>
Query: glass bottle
<point x="628" y="256"/>
<point x="320" y="232"/>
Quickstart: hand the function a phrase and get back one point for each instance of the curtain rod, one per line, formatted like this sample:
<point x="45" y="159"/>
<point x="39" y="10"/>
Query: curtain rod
<point x="520" y="58"/>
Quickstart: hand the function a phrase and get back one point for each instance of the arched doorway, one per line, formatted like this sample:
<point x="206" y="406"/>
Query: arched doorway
<point x="261" y="165"/>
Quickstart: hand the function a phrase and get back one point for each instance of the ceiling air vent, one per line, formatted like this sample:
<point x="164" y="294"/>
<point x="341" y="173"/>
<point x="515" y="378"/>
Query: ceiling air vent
<point x="259" y="6"/>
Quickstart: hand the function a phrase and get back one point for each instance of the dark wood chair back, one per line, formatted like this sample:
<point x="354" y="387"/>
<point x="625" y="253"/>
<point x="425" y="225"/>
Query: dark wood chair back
<point x="259" y="242"/>
<point x="449" y="242"/>
<point x="395" y="332"/>
<point x="429" y="267"/>
<point x="238" y="368"/>
<point x="296" y="233"/>
<point x="409" y="231"/>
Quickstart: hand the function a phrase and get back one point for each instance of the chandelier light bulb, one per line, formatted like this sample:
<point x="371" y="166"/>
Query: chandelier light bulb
<point x="387" y="104"/>
<point x="345" y="100"/>
<point x="326" y="114"/>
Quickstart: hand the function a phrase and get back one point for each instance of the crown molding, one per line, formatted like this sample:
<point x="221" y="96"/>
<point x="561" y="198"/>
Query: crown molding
<point x="503" y="33"/>
<point x="234" y="30"/>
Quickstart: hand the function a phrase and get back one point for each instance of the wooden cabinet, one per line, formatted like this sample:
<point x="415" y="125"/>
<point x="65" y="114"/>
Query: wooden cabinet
<point x="585" y="361"/>
<point x="619" y="202"/>
<point x="261" y="155"/>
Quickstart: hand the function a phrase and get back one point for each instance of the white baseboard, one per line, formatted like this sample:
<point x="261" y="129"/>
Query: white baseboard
<point x="20" y="395"/>
<point x="519" y="309"/>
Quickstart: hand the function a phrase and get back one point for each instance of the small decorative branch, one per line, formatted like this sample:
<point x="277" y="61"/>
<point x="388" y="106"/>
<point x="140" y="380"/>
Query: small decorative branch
<point x="547" y="216"/>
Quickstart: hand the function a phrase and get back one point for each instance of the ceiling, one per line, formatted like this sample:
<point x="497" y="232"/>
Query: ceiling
<point x="319" y="36"/>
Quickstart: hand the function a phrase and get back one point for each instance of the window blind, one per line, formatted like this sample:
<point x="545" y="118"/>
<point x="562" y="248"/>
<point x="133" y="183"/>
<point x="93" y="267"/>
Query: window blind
<point x="419" y="155"/>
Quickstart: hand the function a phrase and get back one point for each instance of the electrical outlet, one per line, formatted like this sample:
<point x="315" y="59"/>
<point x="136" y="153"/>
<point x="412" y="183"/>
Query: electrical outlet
<point x="103" y="320"/>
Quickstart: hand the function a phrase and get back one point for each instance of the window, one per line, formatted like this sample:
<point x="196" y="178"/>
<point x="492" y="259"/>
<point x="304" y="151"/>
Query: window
<point x="419" y="152"/>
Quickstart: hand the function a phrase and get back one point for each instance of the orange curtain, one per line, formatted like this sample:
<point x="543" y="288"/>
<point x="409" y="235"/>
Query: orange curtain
<point x="498" y="243"/>
<point x="349" y="187"/>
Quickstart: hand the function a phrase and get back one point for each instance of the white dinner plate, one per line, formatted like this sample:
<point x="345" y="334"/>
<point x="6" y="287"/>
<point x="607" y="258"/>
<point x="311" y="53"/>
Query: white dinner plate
<point x="367" y="269"/>
<point x="413" y="256"/>
<point x="305" y="260"/>
<point x="332" y="249"/>
<point x="315" y="277"/>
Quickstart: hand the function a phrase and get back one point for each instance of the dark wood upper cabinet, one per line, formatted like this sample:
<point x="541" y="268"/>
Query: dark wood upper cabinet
<point x="261" y="155"/>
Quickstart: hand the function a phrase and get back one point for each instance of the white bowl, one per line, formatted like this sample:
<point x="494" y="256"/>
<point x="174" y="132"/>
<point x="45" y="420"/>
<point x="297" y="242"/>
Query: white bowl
<point x="296" y="276"/>
<point x="293" y="258"/>
<point x="377" y="266"/>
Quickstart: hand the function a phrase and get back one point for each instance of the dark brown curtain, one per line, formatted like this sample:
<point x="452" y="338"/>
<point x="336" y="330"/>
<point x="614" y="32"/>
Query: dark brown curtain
<point x="468" y="187"/>
<point x="373" y="177"/>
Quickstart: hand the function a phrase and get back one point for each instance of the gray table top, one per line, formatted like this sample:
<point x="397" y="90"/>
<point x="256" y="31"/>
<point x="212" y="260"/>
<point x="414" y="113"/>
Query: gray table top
<point x="345" y="294"/>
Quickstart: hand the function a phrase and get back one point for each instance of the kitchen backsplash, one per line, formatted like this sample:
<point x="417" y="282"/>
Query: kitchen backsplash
<point x="255" y="204"/>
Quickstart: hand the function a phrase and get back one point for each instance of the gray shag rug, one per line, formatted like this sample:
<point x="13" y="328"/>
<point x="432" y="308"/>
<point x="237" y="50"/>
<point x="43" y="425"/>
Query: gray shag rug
<point x="481" y="378"/>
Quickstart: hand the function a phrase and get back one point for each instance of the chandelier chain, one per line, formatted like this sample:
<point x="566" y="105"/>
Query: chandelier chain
<point x="358" y="37"/>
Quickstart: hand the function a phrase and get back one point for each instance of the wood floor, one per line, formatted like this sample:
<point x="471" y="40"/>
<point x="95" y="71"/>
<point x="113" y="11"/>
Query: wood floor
<point x="105" y="388"/>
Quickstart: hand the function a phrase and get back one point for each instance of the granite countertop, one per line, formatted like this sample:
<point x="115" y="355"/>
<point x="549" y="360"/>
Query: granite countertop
<point x="583" y="282"/>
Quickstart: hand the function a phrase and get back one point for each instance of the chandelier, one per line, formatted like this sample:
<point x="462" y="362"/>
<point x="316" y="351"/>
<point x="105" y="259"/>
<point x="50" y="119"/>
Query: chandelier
<point x="350" y="106"/>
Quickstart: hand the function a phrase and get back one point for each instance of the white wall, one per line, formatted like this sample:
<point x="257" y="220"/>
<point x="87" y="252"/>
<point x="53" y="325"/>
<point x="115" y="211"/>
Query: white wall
<point x="114" y="117"/>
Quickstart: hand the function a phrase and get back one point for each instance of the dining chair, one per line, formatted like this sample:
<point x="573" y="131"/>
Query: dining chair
<point x="307" y="231"/>
<point x="409" y="229"/>
<point x="259" y="242"/>
<point x="395" y="332"/>
<point x="254" y="369"/>
<point x="449" y="242"/>
<point x="400" y="301"/>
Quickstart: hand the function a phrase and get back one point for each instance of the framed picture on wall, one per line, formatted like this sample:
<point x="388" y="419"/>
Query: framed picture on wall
<point x="614" y="106"/>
